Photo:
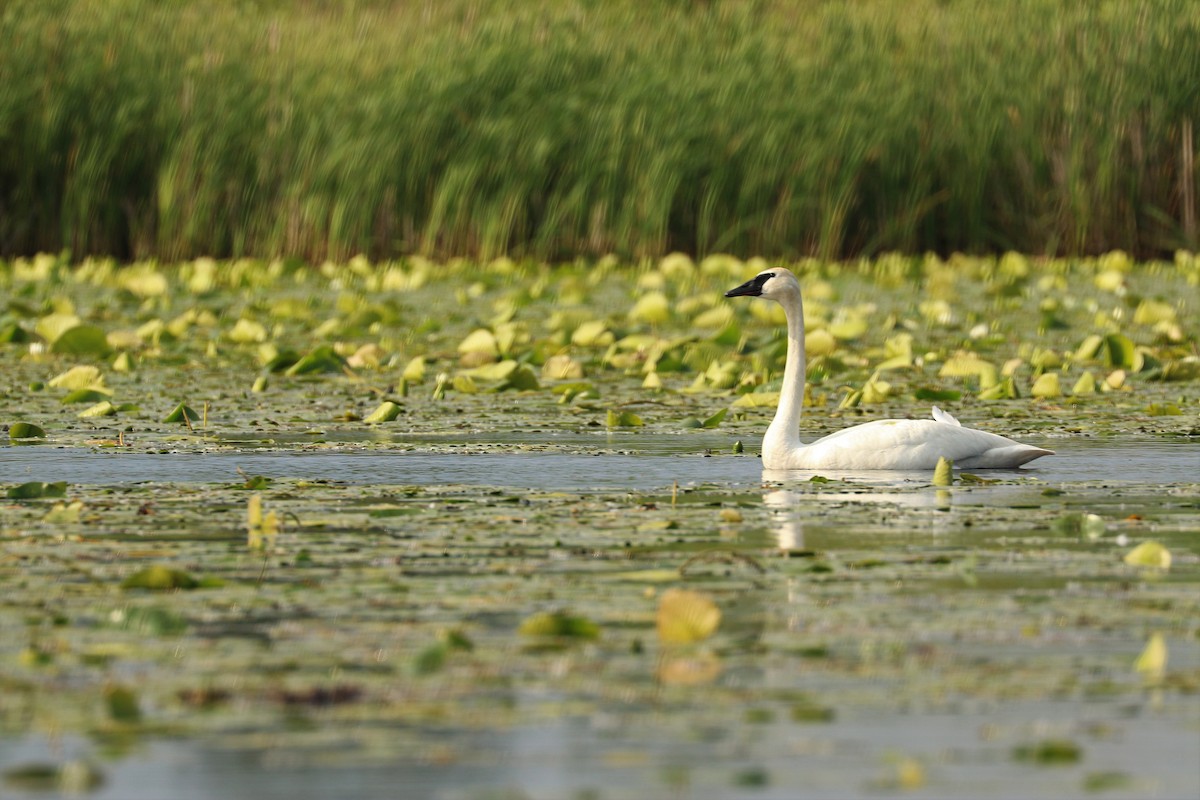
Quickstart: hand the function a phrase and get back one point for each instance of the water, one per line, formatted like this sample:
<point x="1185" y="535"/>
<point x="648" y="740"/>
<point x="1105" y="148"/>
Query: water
<point x="965" y="739"/>
<point x="628" y="462"/>
<point x="967" y="751"/>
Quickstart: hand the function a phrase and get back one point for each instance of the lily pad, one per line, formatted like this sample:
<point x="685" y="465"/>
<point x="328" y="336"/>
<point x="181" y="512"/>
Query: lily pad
<point x="1120" y="351"/>
<point x="1149" y="554"/>
<point x="35" y="490"/>
<point x="651" y="307"/>
<point x="1046" y="386"/>
<point x="160" y="578"/>
<point x="80" y="377"/>
<point x="593" y="333"/>
<point x="559" y="624"/>
<point x="504" y="375"/>
<point x="757" y="400"/>
<point x="480" y="342"/>
<point x="122" y="703"/>
<point x="182" y="414"/>
<point x="386" y="412"/>
<point x="1153" y="659"/>
<point x="1049" y="752"/>
<point x="685" y="617"/>
<point x="26" y="430"/>
<point x="85" y="396"/>
<point x="102" y="409"/>
<point x="246" y="331"/>
<point x="82" y="340"/>
<point x="321" y="359"/>
<point x="622" y="419"/>
<point x="943" y="473"/>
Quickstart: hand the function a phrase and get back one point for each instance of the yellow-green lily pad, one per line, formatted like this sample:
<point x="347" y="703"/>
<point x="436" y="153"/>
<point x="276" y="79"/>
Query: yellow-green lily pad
<point x="26" y="430"/>
<point x="685" y="617"/>
<point x="160" y="578"/>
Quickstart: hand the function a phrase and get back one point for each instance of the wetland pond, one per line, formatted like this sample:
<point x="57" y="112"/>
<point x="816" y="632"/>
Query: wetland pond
<point x="569" y="580"/>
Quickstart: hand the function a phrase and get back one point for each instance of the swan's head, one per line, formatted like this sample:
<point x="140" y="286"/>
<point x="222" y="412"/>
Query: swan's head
<point x="773" y="284"/>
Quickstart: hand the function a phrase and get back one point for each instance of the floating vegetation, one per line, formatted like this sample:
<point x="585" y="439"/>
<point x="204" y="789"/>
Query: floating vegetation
<point x="649" y="614"/>
<point x="943" y="473"/>
<point x="1149" y="554"/>
<point x="686" y="617"/>
<point x="1049" y="752"/>
<point x="25" y="430"/>
<point x="160" y="578"/>
<point x="1153" y="660"/>
<point x="36" y="490"/>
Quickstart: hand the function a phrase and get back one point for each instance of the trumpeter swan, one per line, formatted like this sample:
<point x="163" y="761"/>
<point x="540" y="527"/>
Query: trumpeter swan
<point x="882" y="444"/>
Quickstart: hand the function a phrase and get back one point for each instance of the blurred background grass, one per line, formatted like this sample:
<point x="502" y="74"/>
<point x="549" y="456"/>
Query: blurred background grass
<point x="557" y="128"/>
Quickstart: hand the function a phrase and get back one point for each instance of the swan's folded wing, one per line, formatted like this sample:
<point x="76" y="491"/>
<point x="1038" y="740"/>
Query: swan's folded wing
<point x="915" y="444"/>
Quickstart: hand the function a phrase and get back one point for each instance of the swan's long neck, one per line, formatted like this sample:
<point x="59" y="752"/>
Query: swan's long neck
<point x="783" y="436"/>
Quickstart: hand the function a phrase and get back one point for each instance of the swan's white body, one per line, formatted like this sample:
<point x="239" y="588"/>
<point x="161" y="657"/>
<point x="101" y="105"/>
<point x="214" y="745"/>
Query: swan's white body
<point x="902" y="444"/>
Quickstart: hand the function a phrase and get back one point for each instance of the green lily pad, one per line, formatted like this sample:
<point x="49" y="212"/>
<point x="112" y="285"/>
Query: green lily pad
<point x="102" y="409"/>
<point x="651" y="307"/>
<point x="1049" y="752"/>
<point x="182" y="414"/>
<point x="122" y="704"/>
<point x="593" y="333"/>
<point x="160" y="578"/>
<point x="84" y="396"/>
<point x="246" y="331"/>
<point x="685" y="617"/>
<point x="1046" y="386"/>
<point x="1004" y="389"/>
<point x="1153" y="658"/>
<point x="943" y="473"/>
<point x="386" y="412"/>
<point x="82" y="340"/>
<point x="480" y="342"/>
<point x="623" y="419"/>
<point x="26" y="430"/>
<point x="79" y="377"/>
<point x="1149" y="554"/>
<point x="559" y="624"/>
<point x="320" y="359"/>
<point x="13" y="333"/>
<point x="1086" y="385"/>
<point x="1119" y="351"/>
<point x="757" y="400"/>
<point x="282" y="361"/>
<point x="35" y="490"/>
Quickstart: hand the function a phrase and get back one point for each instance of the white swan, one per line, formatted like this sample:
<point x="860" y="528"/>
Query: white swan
<point x="883" y="444"/>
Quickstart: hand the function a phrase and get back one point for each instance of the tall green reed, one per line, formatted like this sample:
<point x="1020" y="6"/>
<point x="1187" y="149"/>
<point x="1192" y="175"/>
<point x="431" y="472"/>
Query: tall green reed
<point x="552" y="129"/>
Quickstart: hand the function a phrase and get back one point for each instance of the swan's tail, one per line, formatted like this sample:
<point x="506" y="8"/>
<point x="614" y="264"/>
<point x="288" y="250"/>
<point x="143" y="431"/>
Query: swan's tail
<point x="1005" y="457"/>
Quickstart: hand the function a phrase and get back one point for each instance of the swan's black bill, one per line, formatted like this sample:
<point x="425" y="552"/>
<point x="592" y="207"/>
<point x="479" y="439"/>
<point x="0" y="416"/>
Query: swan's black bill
<point x="752" y="287"/>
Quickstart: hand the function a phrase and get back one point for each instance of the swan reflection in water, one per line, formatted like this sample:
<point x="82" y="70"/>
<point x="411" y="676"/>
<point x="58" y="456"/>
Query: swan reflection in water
<point x="788" y="507"/>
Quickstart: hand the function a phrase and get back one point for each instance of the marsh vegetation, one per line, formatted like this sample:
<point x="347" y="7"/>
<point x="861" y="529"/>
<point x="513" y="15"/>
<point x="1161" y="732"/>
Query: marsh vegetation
<point x="274" y="610"/>
<point x="321" y="130"/>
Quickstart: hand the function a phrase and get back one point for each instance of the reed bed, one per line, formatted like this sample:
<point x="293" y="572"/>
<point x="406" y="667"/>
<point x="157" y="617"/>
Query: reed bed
<point x="555" y="129"/>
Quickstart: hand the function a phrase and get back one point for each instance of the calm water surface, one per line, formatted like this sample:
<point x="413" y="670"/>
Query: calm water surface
<point x="628" y="462"/>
